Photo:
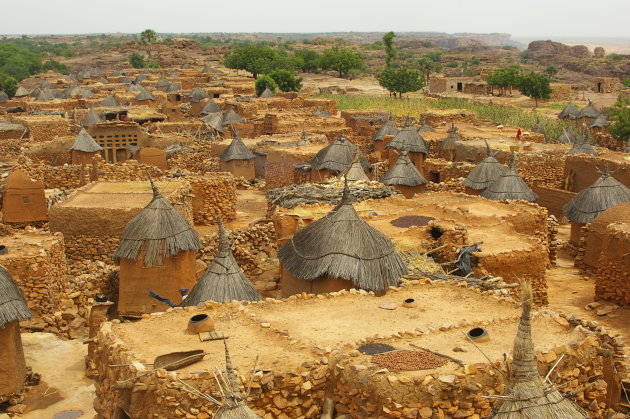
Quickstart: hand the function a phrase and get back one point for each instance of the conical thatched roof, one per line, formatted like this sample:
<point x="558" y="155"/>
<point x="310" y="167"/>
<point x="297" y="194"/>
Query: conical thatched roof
<point x="175" y="74"/>
<point x="223" y="280"/>
<point x="210" y="107"/>
<point x="157" y="231"/>
<point x="140" y="77"/>
<point x="570" y="112"/>
<point x="266" y="93"/>
<point x="110" y="101"/>
<point x="134" y="88"/>
<point x="322" y="113"/>
<point x="145" y="95"/>
<point x="404" y="173"/>
<point x="605" y="193"/>
<point x="590" y="111"/>
<point x="35" y="92"/>
<point x="448" y="144"/>
<point x="231" y="117"/>
<point x="526" y="395"/>
<point x="568" y="137"/>
<point x="215" y="120"/>
<point x="13" y="307"/>
<point x="582" y="147"/>
<point x="599" y="122"/>
<point x="509" y="185"/>
<point x="21" y="91"/>
<point x="118" y="73"/>
<point x="409" y="139"/>
<point x="342" y="245"/>
<point x="91" y="119"/>
<point x="538" y="129"/>
<point x="162" y="82"/>
<point x="85" y="143"/>
<point x="356" y="172"/>
<point x="173" y="87"/>
<point x="197" y="95"/>
<point x="126" y="80"/>
<point x="486" y="172"/>
<point x="237" y="150"/>
<point x="338" y="156"/>
<point x="3" y="96"/>
<point x="304" y="141"/>
<point x="186" y="66"/>
<point x="426" y="127"/>
<point x="45" y="94"/>
<point x="388" y="128"/>
<point x="211" y="70"/>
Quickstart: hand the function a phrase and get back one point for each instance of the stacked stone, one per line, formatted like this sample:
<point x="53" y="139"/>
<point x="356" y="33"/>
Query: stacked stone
<point x="553" y="242"/>
<point x="546" y="167"/>
<point x="11" y="147"/>
<point x="452" y="185"/>
<point x="613" y="275"/>
<point x="130" y="170"/>
<point x="213" y="195"/>
<point x="81" y="250"/>
<point x="198" y="163"/>
<point x="579" y="258"/>
<point x="43" y="128"/>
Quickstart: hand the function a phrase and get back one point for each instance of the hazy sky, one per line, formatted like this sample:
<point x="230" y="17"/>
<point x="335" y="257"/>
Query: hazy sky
<point x="569" y="18"/>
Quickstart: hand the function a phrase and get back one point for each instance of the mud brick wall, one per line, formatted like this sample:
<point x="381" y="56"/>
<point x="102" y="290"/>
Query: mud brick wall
<point x="82" y="248"/>
<point x="612" y="282"/>
<point x="198" y="163"/>
<point x="10" y="147"/>
<point x="213" y="194"/>
<point x="447" y="170"/>
<point x="546" y="167"/>
<point x="43" y="128"/>
<point x="280" y="171"/>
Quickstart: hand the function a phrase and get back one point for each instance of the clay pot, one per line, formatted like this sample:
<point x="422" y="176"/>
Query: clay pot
<point x="3" y="249"/>
<point x="478" y="334"/>
<point x="200" y="323"/>
<point x="410" y="303"/>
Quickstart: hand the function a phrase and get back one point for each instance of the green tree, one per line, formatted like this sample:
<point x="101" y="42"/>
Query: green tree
<point x="505" y="77"/>
<point x="286" y="81"/>
<point x="620" y="119"/>
<point x="551" y="71"/>
<point x="309" y="60"/>
<point x="8" y="84"/>
<point x="342" y="60"/>
<point x="55" y="66"/>
<point x="257" y="59"/>
<point x="626" y="82"/>
<point x="136" y="60"/>
<point x="535" y="86"/>
<point x="390" y="50"/>
<point x="436" y="57"/>
<point x="427" y="66"/>
<point x="148" y="37"/>
<point x="263" y="82"/>
<point x="401" y="80"/>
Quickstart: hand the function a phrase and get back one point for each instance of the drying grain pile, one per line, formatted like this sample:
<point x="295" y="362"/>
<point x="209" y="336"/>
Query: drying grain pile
<point x="409" y="360"/>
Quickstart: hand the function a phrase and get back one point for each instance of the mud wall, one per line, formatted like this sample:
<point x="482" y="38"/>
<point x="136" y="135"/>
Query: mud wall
<point x="613" y="276"/>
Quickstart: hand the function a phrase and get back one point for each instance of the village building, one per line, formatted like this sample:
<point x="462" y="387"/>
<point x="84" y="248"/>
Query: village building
<point x="408" y="140"/>
<point x="485" y="173"/>
<point x="384" y="135"/>
<point x="84" y="149"/>
<point x="24" y="200"/>
<point x="152" y="156"/>
<point x="405" y="177"/>
<point x="569" y="112"/>
<point x="446" y="146"/>
<point x="238" y="159"/>
<point x="334" y="159"/>
<point x="509" y="185"/>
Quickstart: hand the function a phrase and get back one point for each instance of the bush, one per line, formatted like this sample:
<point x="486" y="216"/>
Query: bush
<point x="263" y="82"/>
<point x="620" y="118"/>
<point x="626" y="82"/>
<point x="8" y="84"/>
<point x="286" y="81"/>
<point x="55" y="66"/>
<point x="452" y="64"/>
<point x="136" y="60"/>
<point x="342" y="60"/>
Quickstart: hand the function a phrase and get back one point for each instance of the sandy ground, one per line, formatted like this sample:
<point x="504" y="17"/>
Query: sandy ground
<point x="64" y="386"/>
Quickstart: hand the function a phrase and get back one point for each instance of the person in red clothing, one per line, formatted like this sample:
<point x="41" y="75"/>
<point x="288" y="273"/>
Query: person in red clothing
<point x="518" y="134"/>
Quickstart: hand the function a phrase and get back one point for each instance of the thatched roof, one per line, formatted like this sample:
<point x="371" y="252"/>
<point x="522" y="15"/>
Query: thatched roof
<point x="91" y="119"/>
<point x="448" y="144"/>
<point x="223" y="280"/>
<point x="404" y="173"/>
<point x="582" y="147"/>
<point x="338" y="156"/>
<point x="590" y="111"/>
<point x="145" y="95"/>
<point x="267" y="93"/>
<point x="126" y="80"/>
<point x="175" y="74"/>
<point x="231" y="117"/>
<point x="45" y="94"/>
<point x="486" y="172"/>
<point x="569" y="111"/>
<point x="356" y="172"/>
<point x="605" y="193"/>
<point x="409" y="139"/>
<point x="599" y="122"/>
<point x="509" y="185"/>
<point x="304" y="141"/>
<point x="110" y="101"/>
<point x="85" y="143"/>
<point x="134" y="88"/>
<point x="322" y="113"/>
<point x="214" y="120"/>
<point x="140" y="77"/>
<point x="210" y="107"/>
<point x="568" y="137"/>
<point x="162" y="82"/>
<point x="426" y="127"/>
<point x="3" y="96"/>
<point x="342" y="245"/>
<point x="197" y="95"/>
<point x="118" y="73"/>
<point x="388" y="128"/>
<point x="21" y="91"/>
<point x="186" y="66"/>
<point x="237" y="150"/>
<point x="13" y="307"/>
<point x="526" y="395"/>
<point x="157" y="231"/>
<point x="173" y="87"/>
<point x="211" y="70"/>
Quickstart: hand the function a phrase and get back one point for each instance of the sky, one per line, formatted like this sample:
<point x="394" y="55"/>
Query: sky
<point x="523" y="18"/>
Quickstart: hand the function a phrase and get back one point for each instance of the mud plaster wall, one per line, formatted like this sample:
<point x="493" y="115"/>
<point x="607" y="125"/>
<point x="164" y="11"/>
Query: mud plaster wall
<point x="613" y="276"/>
<point x="580" y="171"/>
<point x="553" y="199"/>
<point x="280" y="171"/>
<point x="12" y="363"/>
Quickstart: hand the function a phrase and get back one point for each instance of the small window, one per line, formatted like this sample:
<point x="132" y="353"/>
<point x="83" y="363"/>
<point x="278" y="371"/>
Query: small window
<point x="26" y="200"/>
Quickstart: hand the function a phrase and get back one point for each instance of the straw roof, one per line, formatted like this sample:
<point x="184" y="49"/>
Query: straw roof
<point x="322" y="113"/>
<point x="304" y="141"/>
<point x="13" y="306"/>
<point x="569" y="111"/>
<point x="214" y="120"/>
<point x="448" y="143"/>
<point x="590" y="111"/>
<point x="45" y="94"/>
<point x="599" y="122"/>
<point x="605" y="193"/>
<point x="267" y="93"/>
<point x="237" y="150"/>
<point x="197" y="95"/>
<point x="568" y="137"/>
<point x="526" y="395"/>
<point x="118" y="73"/>
<point x="145" y="95"/>
<point x="338" y="156"/>
<point x="85" y="143"/>
<point x="509" y="185"/>
<point x="231" y="117"/>
<point x="582" y="147"/>
<point x="3" y="96"/>
<point x="223" y="280"/>
<point x="126" y="80"/>
<point x="133" y="88"/>
<point x="140" y="77"/>
<point x="110" y="101"/>
<point x="210" y="107"/>
<point x="409" y="139"/>
<point x="21" y="91"/>
<point x="404" y="173"/>
<point x="426" y="127"/>
<point x="342" y="245"/>
<point x="211" y="70"/>
<point x="538" y="129"/>
<point x="91" y="119"/>
<point x="486" y="172"/>
<point x="388" y="128"/>
<point x="356" y="172"/>
<point x="173" y="87"/>
<point x="186" y="66"/>
<point x="162" y="82"/>
<point x="157" y="231"/>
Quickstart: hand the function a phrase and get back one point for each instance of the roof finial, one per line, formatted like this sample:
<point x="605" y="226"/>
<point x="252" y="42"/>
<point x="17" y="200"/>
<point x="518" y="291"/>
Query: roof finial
<point x="154" y="188"/>
<point x="234" y="131"/>
<point x="346" y="196"/>
<point x="342" y="136"/>
<point x="513" y="161"/>
<point x="488" y="150"/>
<point x="224" y="241"/>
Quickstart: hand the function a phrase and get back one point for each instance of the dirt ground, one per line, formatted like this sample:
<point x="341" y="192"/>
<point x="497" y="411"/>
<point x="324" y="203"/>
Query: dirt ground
<point x="64" y="388"/>
<point x="250" y="205"/>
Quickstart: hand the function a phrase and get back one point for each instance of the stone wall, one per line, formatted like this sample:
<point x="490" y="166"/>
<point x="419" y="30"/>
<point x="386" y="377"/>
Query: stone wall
<point x="613" y="276"/>
<point x="213" y="194"/>
<point x="43" y="128"/>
